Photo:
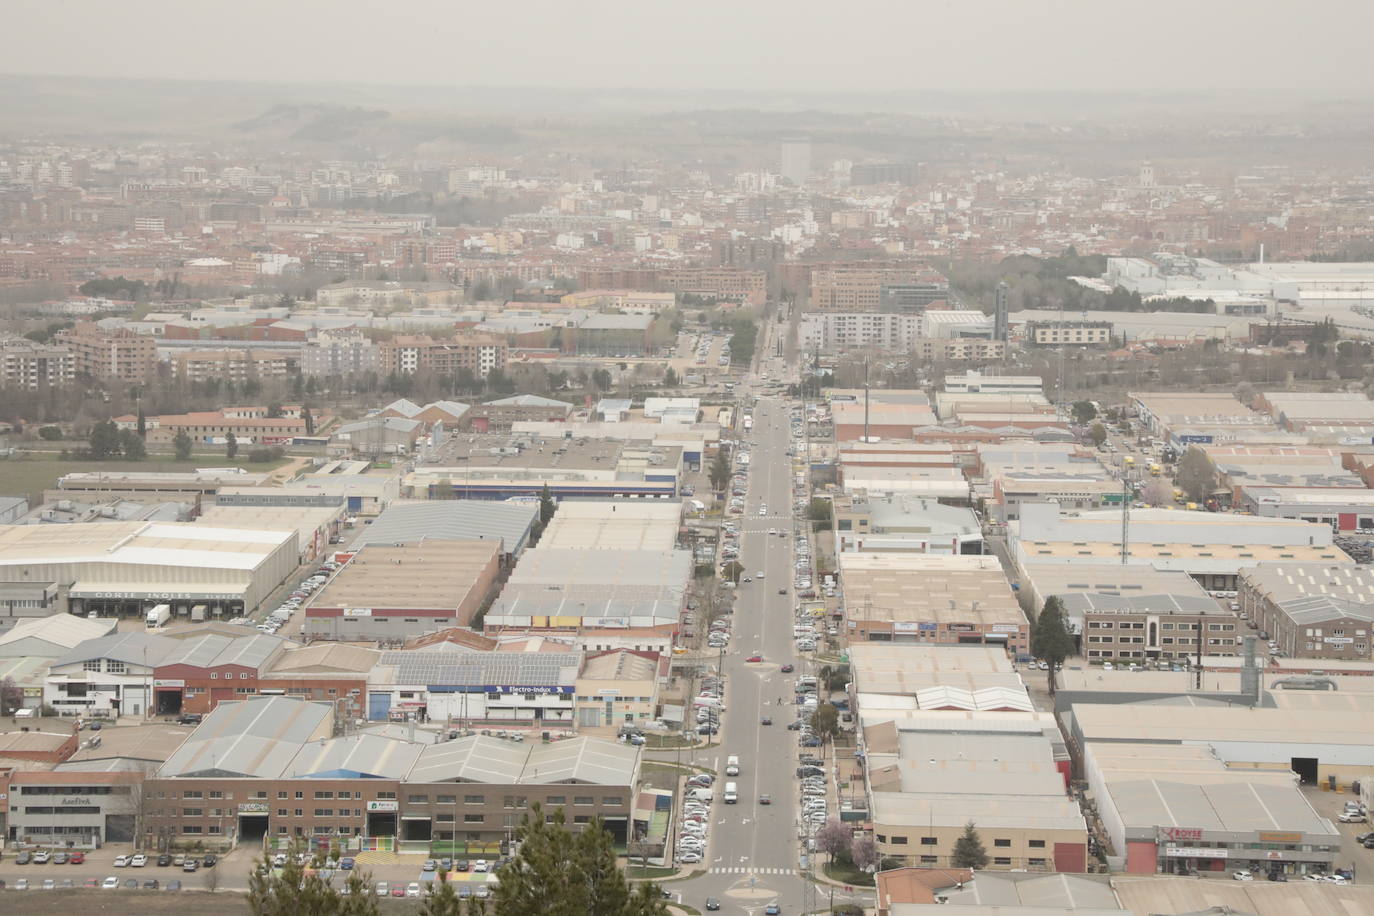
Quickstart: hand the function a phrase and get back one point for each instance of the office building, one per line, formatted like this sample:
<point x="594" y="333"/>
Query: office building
<point x="1311" y="610"/>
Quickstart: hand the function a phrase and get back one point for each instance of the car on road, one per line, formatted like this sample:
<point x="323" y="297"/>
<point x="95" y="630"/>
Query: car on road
<point x="190" y="864"/>
<point x="712" y="903"/>
<point x="139" y="860"/>
<point x="766" y="720"/>
<point x="119" y="861"/>
<point x="59" y="858"/>
<point x="24" y="858"/>
<point x="689" y="858"/>
<point x="759" y="574"/>
<point x="109" y="884"/>
<point x="91" y="882"/>
<point x="1352" y="817"/>
<point x="151" y="884"/>
<point x="164" y="860"/>
<point x="765" y="799"/>
<point x="383" y="888"/>
<point x="49" y="884"/>
<point x="480" y="865"/>
<point x="429" y="865"/>
<point x="413" y="889"/>
<point x="754" y="658"/>
<point x="398" y="891"/>
<point x="1243" y="875"/>
<point x="772" y="910"/>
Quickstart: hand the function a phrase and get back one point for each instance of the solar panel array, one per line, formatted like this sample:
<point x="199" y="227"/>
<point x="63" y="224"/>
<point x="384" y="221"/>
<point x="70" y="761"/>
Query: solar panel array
<point x="533" y="669"/>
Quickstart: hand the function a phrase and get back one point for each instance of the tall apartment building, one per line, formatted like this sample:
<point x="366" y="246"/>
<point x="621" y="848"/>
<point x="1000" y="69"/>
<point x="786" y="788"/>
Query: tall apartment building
<point x="341" y="351"/>
<point x="118" y="354"/>
<point x="722" y="282"/>
<point x="840" y="331"/>
<point x="408" y="354"/>
<point x="858" y="287"/>
<point x="30" y="365"/>
<point x="235" y="365"/>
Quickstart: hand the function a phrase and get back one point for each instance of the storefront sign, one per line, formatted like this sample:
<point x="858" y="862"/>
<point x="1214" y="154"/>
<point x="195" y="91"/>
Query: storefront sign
<point x="618" y="622"/>
<point x="608" y="691"/>
<point x="167" y="682"/>
<point x="253" y="808"/>
<point x="1196" y="852"/>
<point x="1005" y="628"/>
<point x="77" y="800"/>
<point x="960" y="627"/>
<point x="1287" y="839"/>
<point x="1182" y="833"/>
<point x="904" y="627"/>
<point x="1338" y="640"/>
<point x="928" y="627"/>
<point x="357" y="612"/>
<point x="382" y="805"/>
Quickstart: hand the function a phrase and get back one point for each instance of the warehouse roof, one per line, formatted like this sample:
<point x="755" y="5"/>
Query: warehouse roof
<point x="925" y="587"/>
<point x="619" y="665"/>
<point x="1231" y="807"/>
<point x="139" y="543"/>
<point x="60" y="630"/>
<point x="359" y="756"/>
<point x="425" y="575"/>
<point x="257" y="738"/>
<point x="1032" y="895"/>
<point x="130" y="647"/>
<point x="613" y="525"/>
<point x="212" y="651"/>
<point x="413" y="521"/>
<point x="1264" y="726"/>
<point x="326" y="658"/>
<point x="956" y="809"/>
<point x="640" y="573"/>
<point x="1253" y="898"/>
<point x="483" y="759"/>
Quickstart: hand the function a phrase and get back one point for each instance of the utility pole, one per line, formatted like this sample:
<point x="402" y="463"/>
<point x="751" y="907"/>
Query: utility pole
<point x="1126" y="495"/>
<point x="865" y="400"/>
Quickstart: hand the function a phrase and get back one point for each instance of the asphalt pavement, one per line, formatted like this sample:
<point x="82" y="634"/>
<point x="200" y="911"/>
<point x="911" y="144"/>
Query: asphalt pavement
<point x="754" y="851"/>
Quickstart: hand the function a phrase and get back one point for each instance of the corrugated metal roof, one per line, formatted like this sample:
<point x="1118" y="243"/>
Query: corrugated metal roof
<point x="213" y="650"/>
<point x="480" y="758"/>
<point x="131" y="648"/>
<point x="451" y="519"/>
<point x="254" y="738"/>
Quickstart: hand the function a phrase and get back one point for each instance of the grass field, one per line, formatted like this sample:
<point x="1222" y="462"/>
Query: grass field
<point x="31" y="476"/>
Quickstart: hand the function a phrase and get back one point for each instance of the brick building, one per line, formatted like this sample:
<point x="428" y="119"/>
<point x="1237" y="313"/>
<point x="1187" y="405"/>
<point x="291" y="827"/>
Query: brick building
<point x="118" y="354"/>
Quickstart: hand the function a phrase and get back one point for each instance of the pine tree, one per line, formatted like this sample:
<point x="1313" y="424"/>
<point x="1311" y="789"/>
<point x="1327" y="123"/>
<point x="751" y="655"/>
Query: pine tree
<point x="142" y="424"/>
<point x="182" y="444"/>
<point x="547" y="507"/>
<point x="309" y="419"/>
<point x="1051" y="640"/>
<point x="231" y="446"/>
<point x="968" y="849"/>
<point x="719" y="472"/>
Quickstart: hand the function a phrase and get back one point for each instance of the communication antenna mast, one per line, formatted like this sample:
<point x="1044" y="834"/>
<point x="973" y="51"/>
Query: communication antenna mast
<point x="1126" y="496"/>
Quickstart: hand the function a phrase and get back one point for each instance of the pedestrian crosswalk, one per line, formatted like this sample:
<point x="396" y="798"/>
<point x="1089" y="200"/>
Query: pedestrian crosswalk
<point x="746" y="870"/>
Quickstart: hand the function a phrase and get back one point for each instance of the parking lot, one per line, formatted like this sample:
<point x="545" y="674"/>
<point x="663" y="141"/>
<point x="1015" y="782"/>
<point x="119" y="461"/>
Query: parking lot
<point x="1353" y="855"/>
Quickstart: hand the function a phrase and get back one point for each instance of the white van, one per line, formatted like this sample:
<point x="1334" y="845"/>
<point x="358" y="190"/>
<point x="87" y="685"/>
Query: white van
<point x="700" y="794"/>
<point x="731" y="793"/>
<point x="732" y="765"/>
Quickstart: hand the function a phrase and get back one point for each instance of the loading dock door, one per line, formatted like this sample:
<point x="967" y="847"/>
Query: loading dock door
<point x="378" y="706"/>
<point x="1306" y="768"/>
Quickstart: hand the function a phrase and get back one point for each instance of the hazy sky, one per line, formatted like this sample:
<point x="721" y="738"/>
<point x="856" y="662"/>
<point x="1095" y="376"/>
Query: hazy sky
<point x="708" y="44"/>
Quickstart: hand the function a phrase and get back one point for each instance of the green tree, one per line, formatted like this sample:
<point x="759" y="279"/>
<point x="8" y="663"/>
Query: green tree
<point x="289" y="891"/>
<point x="719" y="472"/>
<point x="142" y="424"/>
<point x="732" y="571"/>
<point x="1051" y="641"/>
<point x="443" y="900"/>
<point x="231" y="446"/>
<point x="309" y="419"/>
<point x="968" y="849"/>
<point x="1196" y="475"/>
<point x="274" y="410"/>
<point x="819" y="510"/>
<point x="182" y="445"/>
<point x="825" y="722"/>
<point x="132" y="446"/>
<point x="601" y="378"/>
<point x="547" y="506"/>
<point x="558" y="873"/>
<point x="1084" y="412"/>
<point x="50" y="433"/>
<point x="670" y="379"/>
<point x="104" y="441"/>
<point x="1098" y="434"/>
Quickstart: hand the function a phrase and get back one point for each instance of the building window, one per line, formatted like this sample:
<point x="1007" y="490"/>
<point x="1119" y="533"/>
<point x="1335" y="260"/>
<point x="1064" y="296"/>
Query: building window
<point x="91" y="664"/>
<point x="192" y="828"/>
<point x="192" y="812"/>
<point x="476" y="800"/>
<point x="583" y="800"/>
<point x="1001" y="860"/>
<point x="282" y="812"/>
<point x="319" y="795"/>
<point x="474" y="818"/>
<point x="1002" y="843"/>
<point x="446" y="799"/>
<point x="192" y="793"/>
<point x="929" y="841"/>
<point x="1036" y="862"/>
<point x="391" y="795"/>
<point x="1036" y="844"/>
<point x="899" y="841"/>
<point x="556" y="800"/>
<point x="216" y="793"/>
<point x="417" y="799"/>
